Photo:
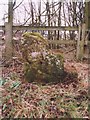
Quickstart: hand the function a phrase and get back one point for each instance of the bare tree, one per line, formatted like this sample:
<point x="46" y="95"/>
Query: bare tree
<point x="48" y="15"/>
<point x="59" y="19"/>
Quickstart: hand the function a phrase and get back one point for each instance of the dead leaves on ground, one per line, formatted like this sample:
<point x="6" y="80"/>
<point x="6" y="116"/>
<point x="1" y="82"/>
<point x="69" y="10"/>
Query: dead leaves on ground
<point x="23" y="99"/>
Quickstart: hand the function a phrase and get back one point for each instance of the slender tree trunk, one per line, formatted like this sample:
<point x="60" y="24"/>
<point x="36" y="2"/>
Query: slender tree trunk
<point x="32" y="13"/>
<point x="39" y="12"/>
<point x="59" y="20"/>
<point x="64" y="21"/>
<point x="48" y="15"/>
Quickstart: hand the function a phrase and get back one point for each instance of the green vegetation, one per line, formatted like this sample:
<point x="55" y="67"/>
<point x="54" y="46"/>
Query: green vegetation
<point x="27" y="100"/>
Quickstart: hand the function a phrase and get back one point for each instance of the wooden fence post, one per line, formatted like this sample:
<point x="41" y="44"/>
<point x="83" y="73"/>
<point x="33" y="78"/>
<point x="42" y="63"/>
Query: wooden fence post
<point x="80" y="42"/>
<point x="8" y="41"/>
<point x="9" y="32"/>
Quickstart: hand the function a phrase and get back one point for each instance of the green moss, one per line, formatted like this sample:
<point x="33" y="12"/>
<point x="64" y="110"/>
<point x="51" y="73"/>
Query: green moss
<point x="36" y="36"/>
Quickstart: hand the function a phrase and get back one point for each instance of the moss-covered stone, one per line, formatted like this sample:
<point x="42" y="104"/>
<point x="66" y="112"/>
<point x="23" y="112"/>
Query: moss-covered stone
<point x="39" y="62"/>
<point x="34" y="41"/>
<point x="48" y="68"/>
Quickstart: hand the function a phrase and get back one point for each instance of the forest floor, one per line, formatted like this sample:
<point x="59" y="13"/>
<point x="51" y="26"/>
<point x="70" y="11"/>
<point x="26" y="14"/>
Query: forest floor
<point x="21" y="99"/>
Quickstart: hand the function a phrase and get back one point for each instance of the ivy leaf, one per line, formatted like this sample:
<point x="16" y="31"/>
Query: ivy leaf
<point x="4" y="107"/>
<point x="15" y="84"/>
<point x="2" y="81"/>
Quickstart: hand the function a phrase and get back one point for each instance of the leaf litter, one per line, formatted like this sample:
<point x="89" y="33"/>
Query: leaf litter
<point x="21" y="99"/>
